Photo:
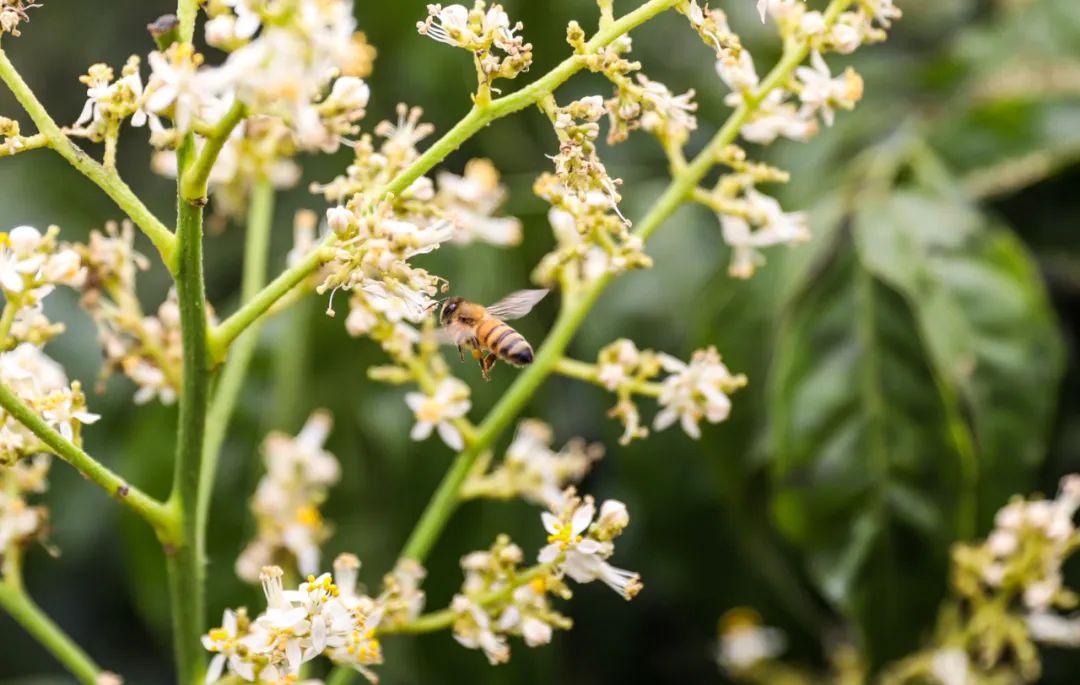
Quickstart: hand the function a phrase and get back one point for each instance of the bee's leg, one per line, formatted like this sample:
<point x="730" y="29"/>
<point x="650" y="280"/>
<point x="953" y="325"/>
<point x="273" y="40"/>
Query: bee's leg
<point x="461" y="352"/>
<point x="486" y="365"/>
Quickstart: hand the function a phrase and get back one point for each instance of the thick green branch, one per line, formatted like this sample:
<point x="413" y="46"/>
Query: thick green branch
<point x="193" y="187"/>
<point x="30" y="616"/>
<point x="186" y="563"/>
<point x="142" y="504"/>
<point x="106" y="179"/>
<point x="477" y="118"/>
<point x="256" y="248"/>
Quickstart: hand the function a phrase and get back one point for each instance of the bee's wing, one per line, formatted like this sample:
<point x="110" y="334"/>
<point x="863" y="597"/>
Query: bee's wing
<point x="516" y="304"/>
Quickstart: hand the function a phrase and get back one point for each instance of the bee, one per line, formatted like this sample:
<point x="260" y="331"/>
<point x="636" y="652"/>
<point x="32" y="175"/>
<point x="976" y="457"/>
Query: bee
<point x="483" y="331"/>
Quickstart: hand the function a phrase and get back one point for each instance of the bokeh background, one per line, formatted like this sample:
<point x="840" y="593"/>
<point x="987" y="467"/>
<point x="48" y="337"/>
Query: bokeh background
<point x="930" y="324"/>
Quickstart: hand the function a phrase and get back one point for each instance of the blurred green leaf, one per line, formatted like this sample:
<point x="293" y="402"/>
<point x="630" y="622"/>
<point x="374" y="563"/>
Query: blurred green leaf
<point x="907" y="399"/>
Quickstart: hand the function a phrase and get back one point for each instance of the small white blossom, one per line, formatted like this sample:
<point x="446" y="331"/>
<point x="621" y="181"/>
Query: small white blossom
<point x="695" y="391"/>
<point x="436" y="411"/>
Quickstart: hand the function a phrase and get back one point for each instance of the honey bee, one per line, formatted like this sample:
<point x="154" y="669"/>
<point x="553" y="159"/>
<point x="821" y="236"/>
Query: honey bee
<point x="483" y="331"/>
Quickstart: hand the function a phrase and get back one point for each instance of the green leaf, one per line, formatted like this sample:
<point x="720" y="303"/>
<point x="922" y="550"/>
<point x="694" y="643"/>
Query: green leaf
<point x="910" y="394"/>
<point x="985" y="322"/>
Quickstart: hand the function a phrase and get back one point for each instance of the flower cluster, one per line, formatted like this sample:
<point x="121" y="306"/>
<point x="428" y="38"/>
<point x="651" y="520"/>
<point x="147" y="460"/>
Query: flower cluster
<point x="579" y="548"/>
<point x="31" y="266"/>
<point x="530" y="469"/>
<point x="593" y="238"/>
<point x="324" y="616"/>
<point x="292" y="82"/>
<point x="146" y="349"/>
<point x="641" y="103"/>
<point x="21" y="522"/>
<point x="12" y="13"/>
<point x="688" y="393"/>
<point x="499" y="599"/>
<point x="1008" y="597"/>
<point x="287" y="499"/>
<point x="470" y="201"/>
<point x="751" y="220"/>
<point x="487" y="33"/>
<point x="110" y="101"/>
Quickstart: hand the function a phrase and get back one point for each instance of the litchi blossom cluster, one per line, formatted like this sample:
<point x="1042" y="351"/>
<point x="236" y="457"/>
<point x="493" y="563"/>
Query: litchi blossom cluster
<point x="290" y="528"/>
<point x="532" y="470"/>
<point x="687" y="394"/>
<point x="499" y="599"/>
<point x="752" y="221"/>
<point x="593" y="238"/>
<point x="12" y="13"/>
<point x="32" y="264"/>
<point x="641" y="103"/>
<point x="292" y="82"/>
<point x="484" y="31"/>
<point x="146" y="349"/>
<point x="21" y="522"/>
<point x="324" y="616"/>
<point x="1008" y="598"/>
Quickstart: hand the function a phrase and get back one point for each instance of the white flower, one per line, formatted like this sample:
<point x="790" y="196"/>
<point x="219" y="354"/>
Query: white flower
<point x="695" y="391"/>
<point x="774" y="227"/>
<point x="582" y="557"/>
<point x="821" y="92"/>
<point x="287" y="499"/>
<point x="1051" y="629"/>
<point x="744" y="642"/>
<point x="950" y="666"/>
<point x="18" y="257"/>
<point x="469" y="201"/>
<point x="475" y="631"/>
<point x="437" y="410"/>
<point x="177" y="84"/>
<point x="774" y="118"/>
<point x="225" y="644"/>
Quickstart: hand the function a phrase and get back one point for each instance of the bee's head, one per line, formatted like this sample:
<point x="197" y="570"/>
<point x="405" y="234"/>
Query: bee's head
<point x="450" y="308"/>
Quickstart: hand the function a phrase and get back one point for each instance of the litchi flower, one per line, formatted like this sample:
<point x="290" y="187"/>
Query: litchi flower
<point x="581" y="556"/>
<point x="224" y="643"/>
<point x="437" y="411"/>
<point x="820" y="92"/>
<point x="695" y="391"/>
<point x="470" y="201"/>
<point x="473" y="630"/>
<point x="299" y="471"/>
<point x="744" y="642"/>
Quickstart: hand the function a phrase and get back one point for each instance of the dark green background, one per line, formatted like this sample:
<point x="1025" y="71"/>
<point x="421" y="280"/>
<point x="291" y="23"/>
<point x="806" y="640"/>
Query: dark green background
<point x="827" y="501"/>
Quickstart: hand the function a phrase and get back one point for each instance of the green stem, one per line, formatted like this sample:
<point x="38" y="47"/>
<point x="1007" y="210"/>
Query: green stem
<point x="30" y="616"/>
<point x="477" y="118"/>
<point x="153" y="511"/>
<point x="588" y="373"/>
<point x="256" y="248"/>
<point x="574" y="312"/>
<point x="106" y="179"/>
<point x="186" y="563"/>
<point x="193" y="188"/>
<point x="186" y="11"/>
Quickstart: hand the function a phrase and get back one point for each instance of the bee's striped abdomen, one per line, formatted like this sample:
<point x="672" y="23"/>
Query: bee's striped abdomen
<point x="504" y="342"/>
